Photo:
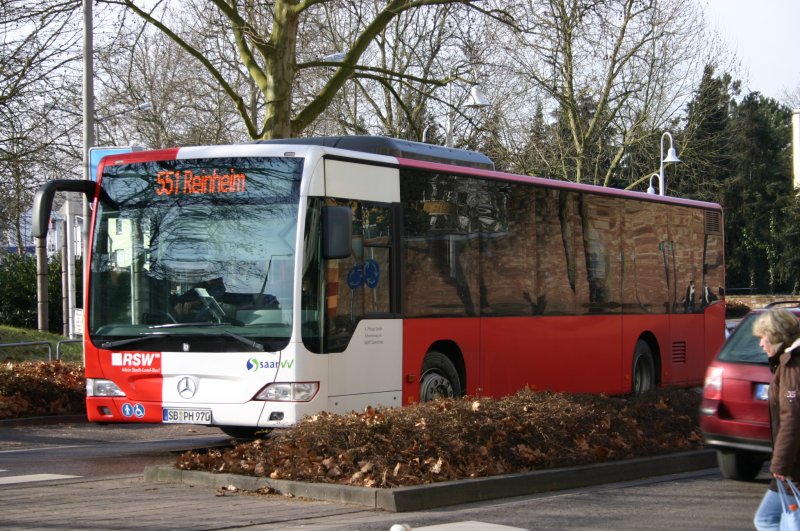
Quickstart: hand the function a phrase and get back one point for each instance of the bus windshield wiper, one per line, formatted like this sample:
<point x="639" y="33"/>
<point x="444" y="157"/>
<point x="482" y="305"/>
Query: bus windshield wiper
<point x="120" y="342"/>
<point x="129" y="340"/>
<point x="196" y="324"/>
<point x="248" y="342"/>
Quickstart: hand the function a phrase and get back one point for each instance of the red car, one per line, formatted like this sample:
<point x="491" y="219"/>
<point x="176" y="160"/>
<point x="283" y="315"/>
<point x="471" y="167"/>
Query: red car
<point x="734" y="414"/>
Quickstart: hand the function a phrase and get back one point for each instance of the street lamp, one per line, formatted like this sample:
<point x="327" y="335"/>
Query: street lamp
<point x="671" y="157"/>
<point x="335" y="57"/>
<point x="476" y="99"/>
<point x="650" y="189"/>
<point x="339" y="57"/>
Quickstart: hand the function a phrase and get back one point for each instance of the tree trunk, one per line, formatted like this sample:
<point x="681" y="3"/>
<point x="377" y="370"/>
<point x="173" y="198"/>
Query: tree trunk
<point x="280" y="67"/>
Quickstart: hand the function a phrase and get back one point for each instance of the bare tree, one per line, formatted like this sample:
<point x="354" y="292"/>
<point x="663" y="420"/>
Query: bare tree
<point x="792" y="98"/>
<point x="184" y="108"/>
<point x="403" y="80"/>
<point x="608" y="74"/>
<point x="35" y="76"/>
<point x="264" y="36"/>
<point x="38" y="41"/>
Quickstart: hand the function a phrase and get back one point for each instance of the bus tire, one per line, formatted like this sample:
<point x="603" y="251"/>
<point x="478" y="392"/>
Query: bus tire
<point x="644" y="369"/>
<point x="439" y="378"/>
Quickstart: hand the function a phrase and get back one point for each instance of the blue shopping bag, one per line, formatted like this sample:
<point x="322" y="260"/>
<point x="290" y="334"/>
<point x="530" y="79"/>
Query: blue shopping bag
<point x="790" y="517"/>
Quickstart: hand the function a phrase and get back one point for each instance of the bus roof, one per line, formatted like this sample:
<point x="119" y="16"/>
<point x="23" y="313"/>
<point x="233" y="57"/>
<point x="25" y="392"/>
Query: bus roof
<point x="384" y="145"/>
<point x="564" y="185"/>
<point x="429" y="156"/>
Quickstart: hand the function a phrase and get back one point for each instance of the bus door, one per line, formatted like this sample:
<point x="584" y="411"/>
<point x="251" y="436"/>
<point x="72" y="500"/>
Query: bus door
<point x="365" y="364"/>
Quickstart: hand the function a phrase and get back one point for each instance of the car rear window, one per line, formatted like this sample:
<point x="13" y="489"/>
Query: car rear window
<point x="742" y="346"/>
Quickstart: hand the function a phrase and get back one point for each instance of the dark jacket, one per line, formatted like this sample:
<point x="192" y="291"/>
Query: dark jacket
<point x="784" y="412"/>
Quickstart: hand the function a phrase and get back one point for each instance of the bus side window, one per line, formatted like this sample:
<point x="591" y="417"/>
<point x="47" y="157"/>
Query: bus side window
<point x="376" y="261"/>
<point x="359" y="285"/>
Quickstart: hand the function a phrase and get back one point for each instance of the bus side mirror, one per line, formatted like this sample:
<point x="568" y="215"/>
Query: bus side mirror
<point x="43" y="201"/>
<point x="337" y="228"/>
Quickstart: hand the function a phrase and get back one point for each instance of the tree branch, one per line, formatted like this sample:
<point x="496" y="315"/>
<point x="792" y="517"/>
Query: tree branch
<point x="238" y="101"/>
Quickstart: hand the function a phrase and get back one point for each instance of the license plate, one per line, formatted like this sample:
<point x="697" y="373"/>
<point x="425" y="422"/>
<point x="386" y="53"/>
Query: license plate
<point x="762" y="392"/>
<point x="187" y="416"/>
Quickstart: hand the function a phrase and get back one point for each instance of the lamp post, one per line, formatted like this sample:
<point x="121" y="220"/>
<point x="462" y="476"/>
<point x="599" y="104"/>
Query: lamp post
<point x="338" y="57"/>
<point x="476" y="98"/>
<point x="88" y="124"/>
<point x="650" y="189"/>
<point x="671" y="157"/>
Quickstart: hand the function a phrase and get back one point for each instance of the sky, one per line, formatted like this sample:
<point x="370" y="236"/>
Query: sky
<point x="765" y="36"/>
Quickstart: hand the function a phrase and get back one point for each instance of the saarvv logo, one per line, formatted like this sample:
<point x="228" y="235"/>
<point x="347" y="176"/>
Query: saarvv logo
<point x="137" y="361"/>
<point x="253" y="364"/>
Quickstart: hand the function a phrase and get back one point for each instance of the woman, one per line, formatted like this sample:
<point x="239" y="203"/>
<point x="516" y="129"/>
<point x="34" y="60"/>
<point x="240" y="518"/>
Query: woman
<point x="779" y="333"/>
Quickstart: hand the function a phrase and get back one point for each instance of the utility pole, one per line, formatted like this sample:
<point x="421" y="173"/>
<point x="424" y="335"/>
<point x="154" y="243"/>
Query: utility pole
<point x="88" y="142"/>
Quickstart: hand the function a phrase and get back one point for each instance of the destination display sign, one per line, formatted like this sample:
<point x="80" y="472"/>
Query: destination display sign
<point x="188" y="182"/>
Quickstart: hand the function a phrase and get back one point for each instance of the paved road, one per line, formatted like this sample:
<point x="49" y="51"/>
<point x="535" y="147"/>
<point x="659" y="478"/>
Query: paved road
<point x="89" y="450"/>
<point x="697" y="500"/>
<point x="689" y="501"/>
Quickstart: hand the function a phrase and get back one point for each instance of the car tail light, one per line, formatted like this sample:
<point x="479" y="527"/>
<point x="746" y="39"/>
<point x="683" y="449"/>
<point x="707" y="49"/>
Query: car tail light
<point x="712" y="390"/>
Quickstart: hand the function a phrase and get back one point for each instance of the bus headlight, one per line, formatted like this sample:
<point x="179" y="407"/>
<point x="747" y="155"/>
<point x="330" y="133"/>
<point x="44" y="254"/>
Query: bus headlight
<point x="96" y="387"/>
<point x="289" y="392"/>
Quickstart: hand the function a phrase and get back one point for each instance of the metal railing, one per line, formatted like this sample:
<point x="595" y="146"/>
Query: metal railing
<point x="32" y="344"/>
<point x="47" y="344"/>
<point x="63" y="341"/>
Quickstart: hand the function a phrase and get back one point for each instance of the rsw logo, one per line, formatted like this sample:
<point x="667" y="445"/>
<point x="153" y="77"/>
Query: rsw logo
<point x="134" y="359"/>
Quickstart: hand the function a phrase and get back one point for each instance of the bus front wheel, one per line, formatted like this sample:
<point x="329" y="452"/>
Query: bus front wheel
<point x="644" y="368"/>
<point x="439" y="378"/>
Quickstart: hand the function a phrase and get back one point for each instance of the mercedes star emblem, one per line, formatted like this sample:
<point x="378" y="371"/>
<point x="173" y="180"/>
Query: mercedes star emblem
<point x="187" y="387"/>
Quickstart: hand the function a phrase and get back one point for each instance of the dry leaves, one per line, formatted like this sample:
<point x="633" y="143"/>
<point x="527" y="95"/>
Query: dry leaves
<point x="455" y="439"/>
<point x="37" y="388"/>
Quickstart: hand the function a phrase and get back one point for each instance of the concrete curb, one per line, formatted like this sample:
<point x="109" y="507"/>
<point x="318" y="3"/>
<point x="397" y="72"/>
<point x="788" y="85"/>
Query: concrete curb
<point x="419" y="497"/>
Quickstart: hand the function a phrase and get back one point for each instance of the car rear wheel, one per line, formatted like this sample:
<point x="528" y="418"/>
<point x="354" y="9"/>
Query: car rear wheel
<point x="741" y="466"/>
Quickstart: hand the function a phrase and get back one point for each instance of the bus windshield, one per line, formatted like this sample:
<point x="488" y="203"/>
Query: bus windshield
<point x="195" y="254"/>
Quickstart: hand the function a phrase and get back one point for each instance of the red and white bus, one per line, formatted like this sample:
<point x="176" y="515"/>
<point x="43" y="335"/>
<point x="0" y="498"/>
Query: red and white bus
<point x="247" y="286"/>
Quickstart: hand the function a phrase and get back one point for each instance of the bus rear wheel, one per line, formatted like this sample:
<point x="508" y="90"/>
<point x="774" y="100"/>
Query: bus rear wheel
<point x="644" y="368"/>
<point x="439" y="378"/>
